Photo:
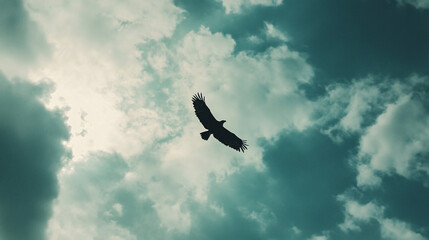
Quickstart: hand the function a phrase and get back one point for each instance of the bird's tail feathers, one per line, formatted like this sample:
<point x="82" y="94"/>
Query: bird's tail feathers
<point x="205" y="135"/>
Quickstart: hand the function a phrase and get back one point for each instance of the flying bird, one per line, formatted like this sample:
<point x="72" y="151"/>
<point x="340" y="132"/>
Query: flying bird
<point x="214" y="126"/>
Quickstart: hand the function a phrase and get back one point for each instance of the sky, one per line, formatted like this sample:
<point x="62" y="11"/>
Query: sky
<point x="99" y="140"/>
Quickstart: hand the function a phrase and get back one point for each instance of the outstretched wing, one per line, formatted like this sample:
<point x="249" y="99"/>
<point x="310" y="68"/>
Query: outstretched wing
<point x="203" y="112"/>
<point x="230" y="139"/>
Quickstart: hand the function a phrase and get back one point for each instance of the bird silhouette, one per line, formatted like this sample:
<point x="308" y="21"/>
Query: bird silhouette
<point x="214" y="126"/>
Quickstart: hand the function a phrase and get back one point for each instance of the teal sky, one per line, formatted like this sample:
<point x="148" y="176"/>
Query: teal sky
<point x="98" y="138"/>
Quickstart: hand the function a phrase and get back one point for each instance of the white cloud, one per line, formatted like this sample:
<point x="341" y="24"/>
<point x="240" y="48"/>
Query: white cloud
<point x="348" y="105"/>
<point x="265" y="77"/>
<point x="393" y="229"/>
<point x="367" y="177"/>
<point x="363" y="212"/>
<point x="399" y="135"/>
<point x="262" y="215"/>
<point x="218" y="209"/>
<point x="118" y="208"/>
<point x="82" y="210"/>
<point x="99" y="23"/>
<point x="173" y="217"/>
<point x="247" y="88"/>
<point x="205" y="46"/>
<point x="296" y="230"/>
<point x="273" y="32"/>
<point x="255" y="39"/>
<point x="96" y="68"/>
<point x="324" y="236"/>
<point x="236" y="6"/>
<point x="391" y="119"/>
<point x="357" y="214"/>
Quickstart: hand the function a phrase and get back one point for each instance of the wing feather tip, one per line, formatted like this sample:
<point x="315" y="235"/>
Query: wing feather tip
<point x="243" y="146"/>
<point x="198" y="96"/>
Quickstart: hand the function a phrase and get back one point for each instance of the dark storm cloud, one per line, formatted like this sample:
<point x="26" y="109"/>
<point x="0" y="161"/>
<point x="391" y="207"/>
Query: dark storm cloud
<point x="30" y="155"/>
<point x="21" y="41"/>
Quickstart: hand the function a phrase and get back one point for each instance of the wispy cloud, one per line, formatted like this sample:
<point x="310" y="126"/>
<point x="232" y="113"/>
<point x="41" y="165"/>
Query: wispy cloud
<point x="357" y="214"/>
<point x="236" y="6"/>
<point x="421" y="4"/>
<point x="273" y="32"/>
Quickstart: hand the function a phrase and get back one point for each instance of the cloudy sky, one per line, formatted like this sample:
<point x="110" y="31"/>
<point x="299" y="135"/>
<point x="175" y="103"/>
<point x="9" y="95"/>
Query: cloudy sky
<point x="98" y="138"/>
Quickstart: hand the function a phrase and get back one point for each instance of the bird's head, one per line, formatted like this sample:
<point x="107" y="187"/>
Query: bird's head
<point x="222" y="122"/>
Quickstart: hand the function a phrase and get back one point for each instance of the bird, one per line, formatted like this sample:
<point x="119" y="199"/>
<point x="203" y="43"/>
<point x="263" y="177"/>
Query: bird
<point x="214" y="126"/>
